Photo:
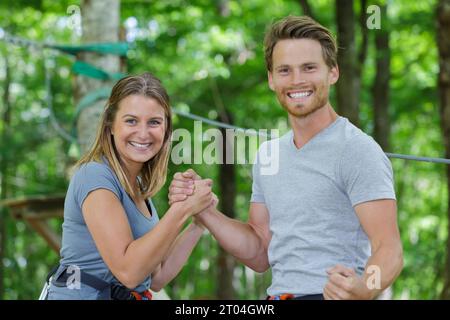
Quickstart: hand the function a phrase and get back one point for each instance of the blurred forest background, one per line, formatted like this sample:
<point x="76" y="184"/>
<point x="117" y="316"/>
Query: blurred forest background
<point x="208" y="53"/>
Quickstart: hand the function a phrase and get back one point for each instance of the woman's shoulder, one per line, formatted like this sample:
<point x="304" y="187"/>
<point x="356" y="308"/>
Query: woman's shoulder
<point x="93" y="167"/>
<point x="93" y="170"/>
<point x="94" y="175"/>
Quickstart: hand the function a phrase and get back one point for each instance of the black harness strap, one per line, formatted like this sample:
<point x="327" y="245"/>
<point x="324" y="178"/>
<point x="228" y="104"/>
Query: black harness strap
<point x="118" y="291"/>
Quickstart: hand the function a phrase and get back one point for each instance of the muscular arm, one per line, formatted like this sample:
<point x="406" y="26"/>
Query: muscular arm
<point x="379" y="220"/>
<point x="247" y="242"/>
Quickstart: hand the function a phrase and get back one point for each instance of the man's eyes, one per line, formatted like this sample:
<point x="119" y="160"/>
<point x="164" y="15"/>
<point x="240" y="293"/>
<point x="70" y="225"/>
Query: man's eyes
<point x="305" y="68"/>
<point x="310" y="68"/>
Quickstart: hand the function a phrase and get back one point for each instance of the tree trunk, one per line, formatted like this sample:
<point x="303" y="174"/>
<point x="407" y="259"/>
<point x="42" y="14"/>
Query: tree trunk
<point x="348" y="85"/>
<point x="380" y="90"/>
<point x="443" y="41"/>
<point x="5" y="136"/>
<point x="100" y="23"/>
<point x="362" y="52"/>
<point x="226" y="262"/>
<point x="306" y="8"/>
<point x="227" y="178"/>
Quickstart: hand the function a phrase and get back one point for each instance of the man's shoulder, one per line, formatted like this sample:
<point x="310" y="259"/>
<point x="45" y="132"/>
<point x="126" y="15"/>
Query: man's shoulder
<point x="361" y="150"/>
<point x="354" y="138"/>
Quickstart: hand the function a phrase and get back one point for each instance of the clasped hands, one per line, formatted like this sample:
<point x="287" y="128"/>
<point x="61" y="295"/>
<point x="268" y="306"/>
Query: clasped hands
<point x="189" y="189"/>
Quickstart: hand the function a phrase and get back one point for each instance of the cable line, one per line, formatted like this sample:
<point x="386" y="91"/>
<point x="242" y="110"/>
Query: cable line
<point x="120" y="48"/>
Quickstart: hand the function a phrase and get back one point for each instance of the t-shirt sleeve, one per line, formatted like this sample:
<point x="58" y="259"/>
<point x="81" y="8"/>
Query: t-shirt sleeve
<point x="257" y="193"/>
<point x="93" y="176"/>
<point x="366" y="171"/>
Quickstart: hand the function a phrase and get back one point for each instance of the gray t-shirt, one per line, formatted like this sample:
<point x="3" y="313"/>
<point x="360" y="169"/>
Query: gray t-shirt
<point x="310" y="199"/>
<point x="78" y="246"/>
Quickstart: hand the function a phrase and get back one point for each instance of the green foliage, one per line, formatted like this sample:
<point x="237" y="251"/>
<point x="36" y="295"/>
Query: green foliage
<point x="207" y="60"/>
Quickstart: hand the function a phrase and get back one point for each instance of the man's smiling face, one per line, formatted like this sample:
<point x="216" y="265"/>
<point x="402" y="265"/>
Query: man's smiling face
<point x="300" y="77"/>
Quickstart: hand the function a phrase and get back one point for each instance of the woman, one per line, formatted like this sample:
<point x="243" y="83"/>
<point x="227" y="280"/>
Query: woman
<point x="113" y="245"/>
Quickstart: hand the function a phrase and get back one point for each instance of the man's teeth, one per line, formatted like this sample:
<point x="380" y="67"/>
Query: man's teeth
<point x="296" y="95"/>
<point x="140" y="145"/>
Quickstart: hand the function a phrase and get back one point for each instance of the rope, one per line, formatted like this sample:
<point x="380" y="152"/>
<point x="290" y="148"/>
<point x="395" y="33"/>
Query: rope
<point x="119" y="50"/>
<point x="88" y="70"/>
<point x="49" y="99"/>
<point x="251" y="132"/>
<point x="22" y="42"/>
<point x="425" y="159"/>
<point x="115" y="48"/>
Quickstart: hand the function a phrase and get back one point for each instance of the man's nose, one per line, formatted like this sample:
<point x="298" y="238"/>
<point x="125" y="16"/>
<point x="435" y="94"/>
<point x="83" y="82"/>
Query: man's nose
<point x="297" y="77"/>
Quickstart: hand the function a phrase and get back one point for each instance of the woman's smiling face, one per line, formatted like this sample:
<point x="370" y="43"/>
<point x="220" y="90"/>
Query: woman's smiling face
<point x="138" y="130"/>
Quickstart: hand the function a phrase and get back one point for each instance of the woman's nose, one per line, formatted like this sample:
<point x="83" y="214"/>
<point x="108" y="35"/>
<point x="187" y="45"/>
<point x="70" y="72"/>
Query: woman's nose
<point x="143" y="132"/>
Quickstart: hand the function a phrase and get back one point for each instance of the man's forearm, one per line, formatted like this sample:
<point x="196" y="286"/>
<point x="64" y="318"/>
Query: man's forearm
<point x="382" y="268"/>
<point x="237" y="238"/>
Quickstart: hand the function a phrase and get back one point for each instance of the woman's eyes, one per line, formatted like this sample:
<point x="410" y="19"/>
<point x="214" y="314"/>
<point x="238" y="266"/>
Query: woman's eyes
<point x="154" y="122"/>
<point x="131" y="121"/>
<point x="151" y="122"/>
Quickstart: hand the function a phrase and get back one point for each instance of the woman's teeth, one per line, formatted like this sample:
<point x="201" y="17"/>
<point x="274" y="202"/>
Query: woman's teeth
<point x="140" y="145"/>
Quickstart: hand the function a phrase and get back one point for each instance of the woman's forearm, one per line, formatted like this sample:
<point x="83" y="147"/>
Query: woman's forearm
<point x="143" y="256"/>
<point x="177" y="256"/>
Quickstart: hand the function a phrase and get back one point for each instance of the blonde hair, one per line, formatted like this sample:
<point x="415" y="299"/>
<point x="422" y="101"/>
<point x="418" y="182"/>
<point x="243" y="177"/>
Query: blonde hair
<point x="154" y="172"/>
<point x="302" y="27"/>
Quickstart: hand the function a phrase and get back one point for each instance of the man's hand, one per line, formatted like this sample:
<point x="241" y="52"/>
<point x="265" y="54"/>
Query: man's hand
<point x="201" y="199"/>
<point x="344" y="284"/>
<point x="182" y="186"/>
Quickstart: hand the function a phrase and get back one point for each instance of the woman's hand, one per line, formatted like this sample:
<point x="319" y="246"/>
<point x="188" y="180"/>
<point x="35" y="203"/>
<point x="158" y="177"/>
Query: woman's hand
<point x="200" y="199"/>
<point x="182" y="185"/>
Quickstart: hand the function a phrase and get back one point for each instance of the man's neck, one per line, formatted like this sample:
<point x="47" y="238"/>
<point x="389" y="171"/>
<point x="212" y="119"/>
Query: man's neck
<point x="306" y="128"/>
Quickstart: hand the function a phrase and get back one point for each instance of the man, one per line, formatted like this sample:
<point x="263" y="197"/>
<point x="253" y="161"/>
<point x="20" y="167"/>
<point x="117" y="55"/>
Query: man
<point x="326" y="222"/>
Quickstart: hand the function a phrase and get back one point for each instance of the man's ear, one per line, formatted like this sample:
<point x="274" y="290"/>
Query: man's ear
<point x="270" y="80"/>
<point x="334" y="75"/>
